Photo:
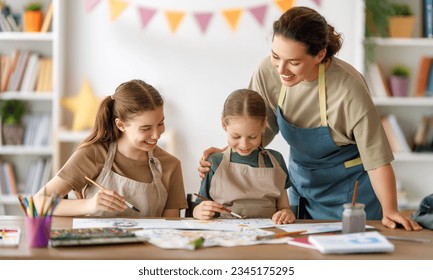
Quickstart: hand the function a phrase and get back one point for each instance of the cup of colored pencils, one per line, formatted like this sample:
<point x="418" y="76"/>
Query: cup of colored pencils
<point x="38" y="222"/>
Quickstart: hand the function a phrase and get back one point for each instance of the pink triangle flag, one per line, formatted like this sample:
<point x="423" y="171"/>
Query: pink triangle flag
<point x="90" y="4"/>
<point x="259" y="13"/>
<point x="317" y="2"/>
<point x="146" y="15"/>
<point x="203" y="20"/>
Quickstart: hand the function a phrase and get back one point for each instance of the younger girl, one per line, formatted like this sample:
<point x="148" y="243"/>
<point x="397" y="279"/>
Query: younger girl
<point x="121" y="155"/>
<point x="250" y="181"/>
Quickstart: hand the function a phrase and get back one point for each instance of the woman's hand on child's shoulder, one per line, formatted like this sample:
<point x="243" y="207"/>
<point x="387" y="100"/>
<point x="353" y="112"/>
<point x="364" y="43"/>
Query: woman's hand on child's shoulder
<point x="204" y="164"/>
<point x="206" y="210"/>
<point x="284" y="216"/>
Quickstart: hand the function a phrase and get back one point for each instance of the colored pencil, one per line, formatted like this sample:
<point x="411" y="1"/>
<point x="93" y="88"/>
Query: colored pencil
<point x="223" y="208"/>
<point x="280" y="235"/>
<point x="102" y="188"/>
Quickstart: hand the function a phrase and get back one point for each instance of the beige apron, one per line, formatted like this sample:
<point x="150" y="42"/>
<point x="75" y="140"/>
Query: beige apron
<point x="249" y="191"/>
<point x="149" y="198"/>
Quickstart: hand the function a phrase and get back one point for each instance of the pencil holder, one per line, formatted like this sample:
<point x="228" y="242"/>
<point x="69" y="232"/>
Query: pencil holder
<point x="38" y="231"/>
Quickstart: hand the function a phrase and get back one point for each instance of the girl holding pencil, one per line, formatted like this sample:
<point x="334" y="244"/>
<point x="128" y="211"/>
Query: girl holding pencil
<point x="119" y="170"/>
<point x="247" y="179"/>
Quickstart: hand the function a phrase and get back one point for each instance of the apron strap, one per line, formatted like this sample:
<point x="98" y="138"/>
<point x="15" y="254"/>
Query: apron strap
<point x="155" y="166"/>
<point x="322" y="95"/>
<point x="282" y="96"/>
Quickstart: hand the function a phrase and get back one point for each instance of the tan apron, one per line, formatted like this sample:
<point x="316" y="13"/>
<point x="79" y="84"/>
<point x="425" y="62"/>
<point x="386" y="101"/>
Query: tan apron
<point x="149" y="198"/>
<point x="249" y="191"/>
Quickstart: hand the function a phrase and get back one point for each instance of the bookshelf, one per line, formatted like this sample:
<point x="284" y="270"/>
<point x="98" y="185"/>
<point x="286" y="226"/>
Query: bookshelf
<point x="25" y="157"/>
<point x="412" y="169"/>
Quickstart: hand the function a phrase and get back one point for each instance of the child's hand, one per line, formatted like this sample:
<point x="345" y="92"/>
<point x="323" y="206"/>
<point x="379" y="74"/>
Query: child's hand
<point x="106" y="200"/>
<point x="206" y="210"/>
<point x="284" y="216"/>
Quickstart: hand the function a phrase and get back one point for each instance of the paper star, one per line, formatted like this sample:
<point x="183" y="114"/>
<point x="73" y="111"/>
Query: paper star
<point x="84" y="106"/>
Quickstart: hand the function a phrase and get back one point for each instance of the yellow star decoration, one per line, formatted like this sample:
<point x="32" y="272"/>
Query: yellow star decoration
<point x="84" y="107"/>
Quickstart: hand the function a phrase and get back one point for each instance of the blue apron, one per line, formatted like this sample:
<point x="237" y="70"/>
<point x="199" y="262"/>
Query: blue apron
<point x="322" y="172"/>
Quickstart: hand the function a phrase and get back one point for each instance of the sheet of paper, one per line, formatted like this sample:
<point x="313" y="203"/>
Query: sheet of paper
<point x="184" y="239"/>
<point x="190" y="224"/>
<point x="314" y="227"/>
<point x="119" y="222"/>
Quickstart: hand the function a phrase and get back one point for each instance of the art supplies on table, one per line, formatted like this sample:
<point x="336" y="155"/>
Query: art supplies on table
<point x="364" y="242"/>
<point x="93" y="236"/>
<point x="38" y="221"/>
<point x="313" y="228"/>
<point x="9" y="237"/>
<point x="301" y="242"/>
<point x="195" y="239"/>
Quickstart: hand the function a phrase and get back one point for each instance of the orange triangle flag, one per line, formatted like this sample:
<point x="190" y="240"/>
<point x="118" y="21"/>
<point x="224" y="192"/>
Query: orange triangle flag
<point x="284" y="5"/>
<point x="117" y="7"/>
<point x="174" y="18"/>
<point x="232" y="16"/>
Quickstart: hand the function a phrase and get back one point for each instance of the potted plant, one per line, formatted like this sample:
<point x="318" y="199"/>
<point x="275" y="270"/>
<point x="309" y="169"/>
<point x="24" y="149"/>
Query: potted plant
<point x="401" y="21"/>
<point x="12" y="112"/>
<point x="399" y="80"/>
<point x="33" y="17"/>
<point x="376" y="21"/>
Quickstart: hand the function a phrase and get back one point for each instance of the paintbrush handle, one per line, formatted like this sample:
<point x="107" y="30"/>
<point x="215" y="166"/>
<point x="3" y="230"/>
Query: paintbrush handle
<point x="102" y="188"/>
<point x="280" y="235"/>
<point x="222" y="208"/>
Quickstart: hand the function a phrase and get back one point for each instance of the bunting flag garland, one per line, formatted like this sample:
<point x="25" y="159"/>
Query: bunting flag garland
<point x="117" y="7"/>
<point x="284" y="5"/>
<point x="318" y="2"/>
<point x="174" y="18"/>
<point x="90" y="4"/>
<point x="203" y="18"/>
<point x="146" y="15"/>
<point x="232" y="16"/>
<point x="259" y="13"/>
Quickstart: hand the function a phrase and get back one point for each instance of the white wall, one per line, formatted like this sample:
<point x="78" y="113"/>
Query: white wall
<point x="193" y="71"/>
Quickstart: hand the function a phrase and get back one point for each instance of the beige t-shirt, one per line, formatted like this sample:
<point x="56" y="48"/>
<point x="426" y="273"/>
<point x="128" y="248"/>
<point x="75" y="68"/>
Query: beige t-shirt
<point x="352" y="116"/>
<point x="89" y="160"/>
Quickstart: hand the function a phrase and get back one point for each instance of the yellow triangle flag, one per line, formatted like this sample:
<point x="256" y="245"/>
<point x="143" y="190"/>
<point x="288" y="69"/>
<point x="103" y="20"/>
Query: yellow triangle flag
<point x="232" y="16"/>
<point x="117" y="7"/>
<point x="174" y="18"/>
<point x="284" y="5"/>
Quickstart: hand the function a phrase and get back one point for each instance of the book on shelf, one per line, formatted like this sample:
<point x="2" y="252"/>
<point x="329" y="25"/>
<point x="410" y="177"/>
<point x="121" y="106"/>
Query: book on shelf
<point x="376" y="80"/>
<point x="17" y="75"/>
<point x="48" y="18"/>
<point x="429" y="87"/>
<point x="44" y="80"/>
<point x="10" y="66"/>
<point x="427" y="18"/>
<point x="364" y="242"/>
<point x="29" y="79"/>
<point x="423" y="75"/>
<point x="420" y="138"/>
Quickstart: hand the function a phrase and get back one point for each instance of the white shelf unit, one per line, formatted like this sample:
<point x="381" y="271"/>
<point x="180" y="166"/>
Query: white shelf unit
<point x="47" y="45"/>
<point x="413" y="170"/>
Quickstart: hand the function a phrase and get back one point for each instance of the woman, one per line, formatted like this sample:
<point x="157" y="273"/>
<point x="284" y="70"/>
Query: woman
<point x="323" y="109"/>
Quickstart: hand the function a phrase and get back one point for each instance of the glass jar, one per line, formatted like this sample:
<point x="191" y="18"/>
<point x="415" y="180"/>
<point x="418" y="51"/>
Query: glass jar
<point x="354" y="218"/>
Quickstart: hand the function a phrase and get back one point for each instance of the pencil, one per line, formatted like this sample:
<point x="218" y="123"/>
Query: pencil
<point x="280" y="235"/>
<point x="223" y="208"/>
<point x="102" y="188"/>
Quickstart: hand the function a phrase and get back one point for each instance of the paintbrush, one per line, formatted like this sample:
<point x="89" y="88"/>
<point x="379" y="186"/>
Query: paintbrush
<point x="102" y="188"/>
<point x="280" y="235"/>
<point x="223" y="208"/>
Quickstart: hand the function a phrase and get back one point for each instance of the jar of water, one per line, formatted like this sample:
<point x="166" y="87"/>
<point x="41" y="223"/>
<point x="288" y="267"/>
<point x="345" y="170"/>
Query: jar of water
<point x="354" y="218"/>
